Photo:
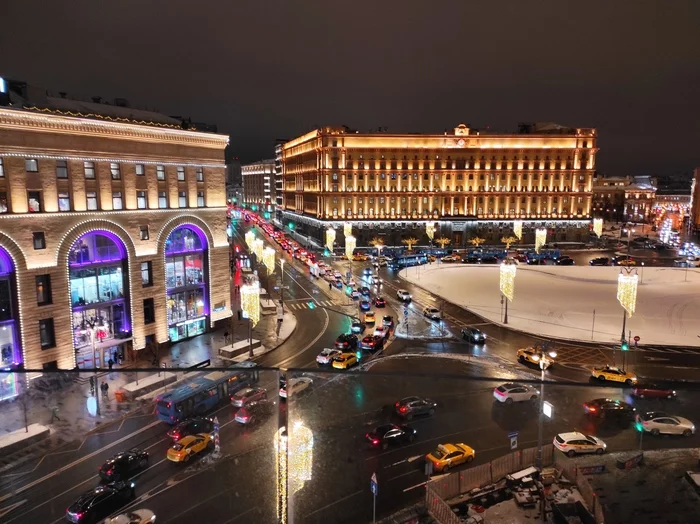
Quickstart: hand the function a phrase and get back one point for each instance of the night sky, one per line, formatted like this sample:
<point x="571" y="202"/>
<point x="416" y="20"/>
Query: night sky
<point x="269" y="69"/>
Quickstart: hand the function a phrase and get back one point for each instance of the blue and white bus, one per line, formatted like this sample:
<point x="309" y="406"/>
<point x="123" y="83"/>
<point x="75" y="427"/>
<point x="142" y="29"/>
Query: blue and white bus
<point x="403" y="261"/>
<point x="202" y="393"/>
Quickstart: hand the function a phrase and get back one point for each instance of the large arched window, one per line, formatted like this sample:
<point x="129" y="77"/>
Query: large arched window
<point x="10" y="345"/>
<point x="185" y="282"/>
<point x="99" y="298"/>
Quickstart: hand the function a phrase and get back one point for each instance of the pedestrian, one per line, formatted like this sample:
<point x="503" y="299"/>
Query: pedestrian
<point x="330" y="286"/>
<point x="110" y="363"/>
<point x="225" y="337"/>
<point x="115" y="357"/>
<point x="92" y="385"/>
<point x="54" y="414"/>
<point x="105" y="390"/>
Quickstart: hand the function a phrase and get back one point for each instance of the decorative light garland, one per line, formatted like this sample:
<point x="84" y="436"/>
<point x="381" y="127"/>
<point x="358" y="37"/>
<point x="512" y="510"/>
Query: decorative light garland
<point x="347" y="229"/>
<point x="33" y="154"/>
<point x="249" y="239"/>
<point x="540" y="238"/>
<point x="350" y="243"/>
<point x="280" y="443"/>
<point x="300" y="445"/>
<point x="507" y="280"/>
<point x="598" y="226"/>
<point x="627" y="291"/>
<point x="330" y="238"/>
<point x="430" y="229"/>
<point x="518" y="229"/>
<point x="268" y="258"/>
<point x="250" y="301"/>
<point x="258" y="247"/>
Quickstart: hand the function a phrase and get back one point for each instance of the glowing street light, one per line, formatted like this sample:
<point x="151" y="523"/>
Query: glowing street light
<point x="350" y="243"/>
<point x="518" y="229"/>
<point x="598" y="226"/>
<point x="330" y="238"/>
<point x="507" y="284"/>
<point x="540" y="238"/>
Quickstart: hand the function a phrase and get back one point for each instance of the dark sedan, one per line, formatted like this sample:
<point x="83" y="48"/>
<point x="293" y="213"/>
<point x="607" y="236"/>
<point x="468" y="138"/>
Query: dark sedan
<point x="191" y="426"/>
<point x="600" y="261"/>
<point x="365" y="305"/>
<point x="100" y="502"/>
<point x="346" y="341"/>
<point x="364" y="291"/>
<point x="390" y="435"/>
<point x="489" y="260"/>
<point x="608" y="409"/>
<point x="408" y="407"/>
<point x="372" y="343"/>
<point x="473" y="335"/>
<point x="379" y="302"/>
<point x="124" y="465"/>
<point x="565" y="262"/>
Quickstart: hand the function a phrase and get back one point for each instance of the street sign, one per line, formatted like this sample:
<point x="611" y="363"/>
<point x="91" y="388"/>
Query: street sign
<point x="217" y="443"/>
<point x="513" y="440"/>
<point x="405" y="312"/>
<point x="373" y="485"/>
<point x="636" y="338"/>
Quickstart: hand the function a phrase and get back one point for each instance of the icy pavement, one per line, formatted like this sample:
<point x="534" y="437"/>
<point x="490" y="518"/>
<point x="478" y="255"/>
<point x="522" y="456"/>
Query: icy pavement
<point x="576" y="303"/>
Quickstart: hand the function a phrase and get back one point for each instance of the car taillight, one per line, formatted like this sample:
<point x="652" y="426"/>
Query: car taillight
<point x="645" y="423"/>
<point x="375" y="441"/>
<point x="396" y="405"/>
<point x="403" y="409"/>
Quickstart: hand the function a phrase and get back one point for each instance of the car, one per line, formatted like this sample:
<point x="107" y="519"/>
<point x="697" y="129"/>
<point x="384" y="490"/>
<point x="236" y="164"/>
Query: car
<point x="372" y="343"/>
<point x="345" y="360"/>
<point x="474" y="335"/>
<point x="255" y="412"/>
<point x="327" y="355"/>
<point x="364" y="291"/>
<point x="135" y="516"/>
<point x="612" y="374"/>
<point x="388" y="321"/>
<point x="187" y="447"/>
<point x="652" y="391"/>
<point x="124" y="465"/>
<point x="294" y="386"/>
<point x="533" y="355"/>
<point x="565" y="262"/>
<point x="450" y="258"/>
<point x="243" y="396"/>
<point x="191" y="426"/>
<point x="390" y="435"/>
<point x="511" y="392"/>
<point x="609" y="409"/>
<point x="403" y="295"/>
<point x="346" y="341"/>
<point x="447" y="456"/>
<point x="599" y="261"/>
<point x="489" y="260"/>
<point x="381" y="331"/>
<point x="365" y="305"/>
<point x="379" y="302"/>
<point x="432" y="313"/>
<point x="100" y="502"/>
<point x="369" y="317"/>
<point x="471" y="259"/>
<point x="360" y="258"/>
<point x="367" y="271"/>
<point x="339" y="284"/>
<point x="357" y="327"/>
<point x="624" y="261"/>
<point x="351" y="282"/>
<point x="408" y="407"/>
<point x="355" y="294"/>
<point x="575" y="443"/>
<point x="536" y="262"/>
<point x="658" y="422"/>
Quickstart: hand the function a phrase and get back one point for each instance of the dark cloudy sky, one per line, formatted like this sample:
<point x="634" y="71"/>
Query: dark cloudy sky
<point x="265" y="69"/>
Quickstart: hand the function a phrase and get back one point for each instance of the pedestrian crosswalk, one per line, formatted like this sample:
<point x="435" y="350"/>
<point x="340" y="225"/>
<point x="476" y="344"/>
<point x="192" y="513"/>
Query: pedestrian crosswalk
<point x="305" y="304"/>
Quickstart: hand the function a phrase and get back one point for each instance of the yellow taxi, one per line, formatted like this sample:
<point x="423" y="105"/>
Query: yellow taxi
<point x="360" y="258"/>
<point x="533" y="356"/>
<point x="188" y="446"/>
<point x="614" y="375"/>
<point x="369" y="317"/>
<point x="345" y="360"/>
<point x="450" y="455"/>
<point x="431" y="258"/>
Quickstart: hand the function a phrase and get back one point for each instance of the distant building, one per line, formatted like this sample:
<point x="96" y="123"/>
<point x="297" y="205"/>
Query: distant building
<point x="279" y="179"/>
<point x="259" y="184"/>
<point x="234" y="182"/>
<point x="468" y="181"/>
<point x="624" y="199"/>
<point x="695" y="201"/>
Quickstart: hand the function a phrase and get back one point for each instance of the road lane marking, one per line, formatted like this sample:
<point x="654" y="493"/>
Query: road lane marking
<point x="416" y="486"/>
<point x="412" y="472"/>
<point x="334" y="503"/>
<point x="311" y="344"/>
<point x="76" y="462"/>
<point x="233" y="519"/>
<point x="429" y="440"/>
<point x="8" y="509"/>
<point x="35" y="506"/>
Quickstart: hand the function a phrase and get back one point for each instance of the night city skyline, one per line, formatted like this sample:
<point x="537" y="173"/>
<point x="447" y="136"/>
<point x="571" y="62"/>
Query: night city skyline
<point x="277" y="69"/>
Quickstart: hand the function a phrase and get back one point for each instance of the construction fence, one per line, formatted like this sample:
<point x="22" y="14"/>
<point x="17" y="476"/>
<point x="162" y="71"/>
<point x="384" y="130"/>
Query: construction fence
<point x="570" y="470"/>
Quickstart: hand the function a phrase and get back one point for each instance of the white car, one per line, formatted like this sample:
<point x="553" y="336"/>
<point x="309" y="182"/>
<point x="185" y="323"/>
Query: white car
<point x="338" y="275"/>
<point x="403" y="295"/>
<point x="432" y="313"/>
<point x="381" y="331"/>
<point x="657" y="423"/>
<point x="510" y="392"/>
<point x="137" y="516"/>
<point x="294" y="386"/>
<point x="351" y="283"/>
<point x="576" y="443"/>
<point x="327" y="355"/>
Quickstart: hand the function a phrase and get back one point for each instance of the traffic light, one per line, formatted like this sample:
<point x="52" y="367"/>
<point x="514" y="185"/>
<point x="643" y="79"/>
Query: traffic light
<point x="624" y="346"/>
<point x="267" y="215"/>
<point x="311" y="305"/>
<point x="638" y="426"/>
<point x="291" y="225"/>
<point x="358" y="354"/>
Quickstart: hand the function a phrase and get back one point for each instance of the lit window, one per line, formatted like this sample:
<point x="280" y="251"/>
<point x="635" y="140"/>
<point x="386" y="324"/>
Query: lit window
<point x="144" y="232"/>
<point x="117" y="202"/>
<point x="114" y="169"/>
<point x="182" y="199"/>
<point x="31" y="165"/>
<point x="146" y="274"/>
<point x="162" y="200"/>
<point x="2" y="169"/>
<point x="160" y="172"/>
<point x="141" y="200"/>
<point x="89" y="168"/>
<point x="64" y="202"/>
<point x="3" y="202"/>
<point x="91" y="200"/>
<point x="61" y="169"/>
<point x="140" y="170"/>
<point x="34" y="201"/>
<point x="200" y="174"/>
<point x="181" y="174"/>
<point x="43" y="289"/>
<point x="200" y="198"/>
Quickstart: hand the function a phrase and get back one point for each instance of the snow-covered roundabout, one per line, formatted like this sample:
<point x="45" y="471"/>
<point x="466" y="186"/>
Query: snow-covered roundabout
<point x="576" y="303"/>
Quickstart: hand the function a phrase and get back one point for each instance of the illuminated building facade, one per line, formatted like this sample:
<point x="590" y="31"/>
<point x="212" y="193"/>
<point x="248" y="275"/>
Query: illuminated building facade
<point x="112" y="236"/>
<point x="259" y="184"/>
<point x="467" y="181"/>
<point x="624" y="199"/>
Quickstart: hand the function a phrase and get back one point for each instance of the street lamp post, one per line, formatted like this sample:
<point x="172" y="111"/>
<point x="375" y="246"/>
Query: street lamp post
<point x="507" y="284"/>
<point x="543" y="364"/>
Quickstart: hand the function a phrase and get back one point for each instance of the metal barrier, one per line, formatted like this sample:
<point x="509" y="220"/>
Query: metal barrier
<point x="446" y="487"/>
<point x="474" y="477"/>
<point x="438" y="508"/>
<point x="501" y="466"/>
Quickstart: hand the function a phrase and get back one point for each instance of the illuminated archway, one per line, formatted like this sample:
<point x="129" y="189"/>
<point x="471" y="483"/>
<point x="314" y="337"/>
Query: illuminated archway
<point x="100" y="312"/>
<point x="10" y="340"/>
<point x="186" y="270"/>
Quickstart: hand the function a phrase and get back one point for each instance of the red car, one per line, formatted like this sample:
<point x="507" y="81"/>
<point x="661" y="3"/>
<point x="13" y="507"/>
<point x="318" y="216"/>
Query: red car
<point x="372" y="343"/>
<point x="653" y="391"/>
<point x="379" y="302"/>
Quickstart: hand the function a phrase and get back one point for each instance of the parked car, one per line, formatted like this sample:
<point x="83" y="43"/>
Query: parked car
<point x="474" y="335"/>
<point x="510" y="392"/>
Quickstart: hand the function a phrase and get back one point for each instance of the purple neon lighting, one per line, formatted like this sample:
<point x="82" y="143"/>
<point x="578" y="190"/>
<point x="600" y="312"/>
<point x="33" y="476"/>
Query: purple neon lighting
<point x="194" y="229"/>
<point x="96" y="258"/>
<point x="6" y="264"/>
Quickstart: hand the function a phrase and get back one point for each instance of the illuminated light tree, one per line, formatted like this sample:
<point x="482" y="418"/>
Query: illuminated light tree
<point x="430" y="229"/>
<point x="506" y="283"/>
<point x="518" y="229"/>
<point x="258" y="247"/>
<point x="540" y="238"/>
<point x="409" y="242"/>
<point x="350" y="243"/>
<point x="378" y="244"/>
<point x="347" y="229"/>
<point x="249" y="239"/>
<point x="330" y="238"/>
<point x="268" y="259"/>
<point x="294" y="450"/>
<point x="477" y="241"/>
<point x="508" y="241"/>
<point x="250" y="301"/>
<point x="598" y="226"/>
<point x="627" y="291"/>
<point x="442" y="241"/>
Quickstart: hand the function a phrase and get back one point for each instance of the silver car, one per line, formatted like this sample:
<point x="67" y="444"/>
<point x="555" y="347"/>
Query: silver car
<point x="247" y="395"/>
<point x="658" y="423"/>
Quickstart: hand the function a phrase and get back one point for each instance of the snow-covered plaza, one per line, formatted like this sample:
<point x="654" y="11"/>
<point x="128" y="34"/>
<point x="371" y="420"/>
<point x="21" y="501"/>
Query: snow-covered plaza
<point x="572" y="302"/>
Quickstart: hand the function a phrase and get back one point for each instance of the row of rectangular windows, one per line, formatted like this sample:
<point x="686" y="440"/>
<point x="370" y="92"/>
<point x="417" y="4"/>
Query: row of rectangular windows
<point x="35" y="203"/>
<point x="533" y="199"/>
<point x="448" y="176"/>
<point x="31" y="165"/>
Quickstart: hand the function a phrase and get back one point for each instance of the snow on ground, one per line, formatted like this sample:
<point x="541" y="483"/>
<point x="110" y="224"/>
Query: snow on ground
<point x="577" y="303"/>
<point x="21" y="434"/>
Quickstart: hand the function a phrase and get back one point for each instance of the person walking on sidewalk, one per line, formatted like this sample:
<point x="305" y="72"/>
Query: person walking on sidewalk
<point x="92" y="385"/>
<point x="110" y="363"/>
<point x="54" y="414"/>
<point x="105" y="390"/>
<point x="226" y="337"/>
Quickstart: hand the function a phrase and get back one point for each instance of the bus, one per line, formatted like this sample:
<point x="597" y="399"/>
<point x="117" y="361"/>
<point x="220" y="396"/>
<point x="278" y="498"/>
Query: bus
<point x="202" y="393"/>
<point x="403" y="261"/>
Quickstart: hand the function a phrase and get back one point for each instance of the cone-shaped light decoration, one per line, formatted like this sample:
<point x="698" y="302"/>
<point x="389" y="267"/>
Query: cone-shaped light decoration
<point x="250" y="301"/>
<point x="330" y="238"/>
<point x="301" y="452"/>
<point x="268" y="259"/>
<point x="627" y="291"/>
<point x="518" y="229"/>
<point x="347" y="229"/>
<point x="507" y="280"/>
<point x="350" y="243"/>
<point x="258" y="248"/>
<point x="540" y="238"/>
<point x="249" y="238"/>
<point x="598" y="226"/>
<point x="430" y="230"/>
